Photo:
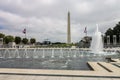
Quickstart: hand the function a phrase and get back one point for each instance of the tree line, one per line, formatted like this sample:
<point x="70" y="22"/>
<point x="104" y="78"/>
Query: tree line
<point x="16" y="39"/>
<point x="113" y="31"/>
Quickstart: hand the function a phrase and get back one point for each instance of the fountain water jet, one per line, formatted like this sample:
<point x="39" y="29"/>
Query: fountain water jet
<point x="52" y="53"/>
<point x="75" y="53"/>
<point x="34" y="53"/>
<point x="26" y="54"/>
<point x="61" y="53"/>
<point x="68" y="54"/>
<point x="97" y="44"/>
<point x="17" y="52"/>
<point x="43" y="55"/>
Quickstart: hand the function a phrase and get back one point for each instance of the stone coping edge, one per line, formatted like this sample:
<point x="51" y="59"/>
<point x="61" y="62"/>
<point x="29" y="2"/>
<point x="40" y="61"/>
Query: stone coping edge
<point x="60" y="75"/>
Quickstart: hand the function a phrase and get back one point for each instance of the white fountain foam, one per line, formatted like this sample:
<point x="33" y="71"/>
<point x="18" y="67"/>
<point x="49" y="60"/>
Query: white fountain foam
<point x="97" y="44"/>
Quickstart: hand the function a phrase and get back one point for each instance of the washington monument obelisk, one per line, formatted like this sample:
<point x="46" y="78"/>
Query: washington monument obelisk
<point x="68" y="29"/>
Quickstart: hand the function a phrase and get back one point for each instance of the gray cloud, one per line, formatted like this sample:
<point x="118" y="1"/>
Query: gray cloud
<point x="48" y="18"/>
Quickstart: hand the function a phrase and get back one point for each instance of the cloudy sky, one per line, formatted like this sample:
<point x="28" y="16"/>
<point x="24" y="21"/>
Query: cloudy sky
<point x="47" y="19"/>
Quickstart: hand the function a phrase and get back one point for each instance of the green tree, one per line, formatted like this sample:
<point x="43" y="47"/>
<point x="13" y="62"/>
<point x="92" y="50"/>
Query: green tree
<point x="110" y="33"/>
<point x="17" y="40"/>
<point x="114" y="31"/>
<point x="32" y="40"/>
<point x="25" y="40"/>
<point x="8" y="39"/>
<point x="2" y="35"/>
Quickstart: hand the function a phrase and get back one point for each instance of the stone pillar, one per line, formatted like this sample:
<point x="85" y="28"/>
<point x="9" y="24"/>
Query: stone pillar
<point x="103" y="40"/>
<point x="68" y="30"/>
<point x="114" y="39"/>
<point x="108" y="40"/>
<point x="119" y="40"/>
<point x="1" y="42"/>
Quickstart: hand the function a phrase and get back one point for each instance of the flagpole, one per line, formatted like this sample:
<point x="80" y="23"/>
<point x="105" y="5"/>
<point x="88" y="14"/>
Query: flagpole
<point x="86" y="33"/>
<point x="25" y="35"/>
<point x="24" y="31"/>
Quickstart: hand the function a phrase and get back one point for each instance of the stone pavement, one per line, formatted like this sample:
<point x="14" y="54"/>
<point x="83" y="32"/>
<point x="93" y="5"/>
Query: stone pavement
<point x="75" y="73"/>
<point x="96" y="67"/>
<point x="29" y="77"/>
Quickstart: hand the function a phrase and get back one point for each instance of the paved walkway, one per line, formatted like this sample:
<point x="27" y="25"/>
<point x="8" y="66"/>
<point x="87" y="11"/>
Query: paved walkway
<point x="75" y="73"/>
<point x="110" y="67"/>
<point x="96" y="67"/>
<point x="27" y="77"/>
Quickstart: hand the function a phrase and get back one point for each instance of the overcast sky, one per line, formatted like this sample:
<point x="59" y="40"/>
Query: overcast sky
<point x="47" y="19"/>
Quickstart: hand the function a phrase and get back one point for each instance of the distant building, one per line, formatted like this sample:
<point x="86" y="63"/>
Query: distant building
<point x="47" y="42"/>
